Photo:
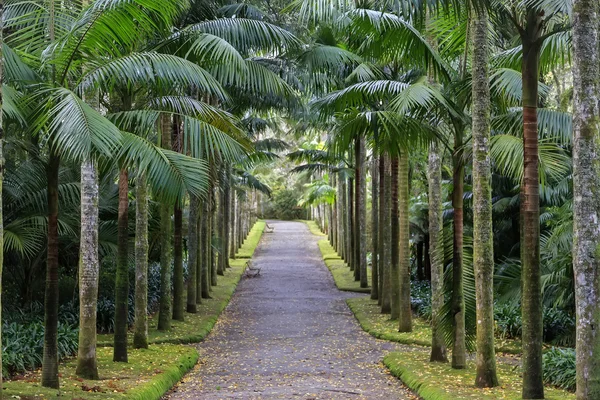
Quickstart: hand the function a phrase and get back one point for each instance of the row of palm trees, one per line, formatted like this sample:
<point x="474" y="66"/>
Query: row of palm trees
<point x="444" y="77"/>
<point x="157" y="95"/>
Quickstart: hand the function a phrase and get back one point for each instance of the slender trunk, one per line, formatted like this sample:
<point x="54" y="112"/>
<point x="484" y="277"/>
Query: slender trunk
<point x="532" y="331"/>
<point x="374" y="228"/>
<point x="394" y="248"/>
<point x="483" y="239"/>
<point x="459" y="348"/>
<point x="427" y="259"/>
<point x="122" y="275"/>
<point x="89" y="268"/>
<point x="232" y="225"/>
<point x="193" y="255"/>
<point x="419" y="255"/>
<point x="343" y="244"/>
<point x="350" y="237"/>
<point x="50" y="357"/>
<point x="206" y="254"/>
<point x="382" y="229"/>
<point x="165" y="308"/>
<point x="178" y="280"/>
<point x="386" y="238"/>
<point x="212" y="216"/>
<point x="227" y="217"/>
<point x="404" y="311"/>
<point x="140" y="334"/>
<point x="586" y="188"/>
<point x="434" y="246"/>
<point x="361" y="213"/>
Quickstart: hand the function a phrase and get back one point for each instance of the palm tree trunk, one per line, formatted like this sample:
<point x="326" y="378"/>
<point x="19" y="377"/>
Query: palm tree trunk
<point x="361" y="213"/>
<point x="386" y="223"/>
<point x="342" y="241"/>
<point x="178" y="280"/>
<point x="89" y="268"/>
<point x="122" y="275"/>
<point x="586" y="210"/>
<point x="212" y="215"/>
<point x="405" y="313"/>
<point x="532" y="336"/>
<point x="227" y="212"/>
<point x="140" y="334"/>
<point x="50" y="357"/>
<point x="165" y="307"/>
<point x="459" y="355"/>
<point x="374" y="228"/>
<point x="221" y="233"/>
<point x="193" y="254"/>
<point x="436" y="251"/>
<point x="382" y="225"/>
<point x="206" y="254"/>
<point x="394" y="248"/>
<point x="232" y="226"/>
<point x="350" y="234"/>
<point x="483" y="238"/>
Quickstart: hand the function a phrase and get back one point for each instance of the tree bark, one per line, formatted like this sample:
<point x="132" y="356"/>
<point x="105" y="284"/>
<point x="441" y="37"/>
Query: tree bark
<point x="89" y="267"/>
<point x="206" y="254"/>
<point x="140" y="334"/>
<point x="395" y="242"/>
<point x="586" y="190"/>
<point x="383" y="219"/>
<point x="165" y="308"/>
<point x="350" y="253"/>
<point x="483" y="238"/>
<point x="532" y="331"/>
<point x="361" y="213"/>
<point x="374" y="227"/>
<point x="404" y="311"/>
<point x="385" y="223"/>
<point x="50" y="356"/>
<point x="435" y="249"/>
<point x="193" y="255"/>
<point x="2" y="134"/>
<point x="178" y="280"/>
<point x="122" y="276"/>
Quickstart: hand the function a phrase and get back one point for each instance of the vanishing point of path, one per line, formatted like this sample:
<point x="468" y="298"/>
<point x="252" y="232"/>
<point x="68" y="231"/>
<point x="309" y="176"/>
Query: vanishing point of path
<point x="288" y="334"/>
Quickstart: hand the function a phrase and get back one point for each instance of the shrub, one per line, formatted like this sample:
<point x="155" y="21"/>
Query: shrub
<point x="559" y="368"/>
<point x="420" y="298"/>
<point x="23" y="345"/>
<point x="559" y="327"/>
<point x="508" y="320"/>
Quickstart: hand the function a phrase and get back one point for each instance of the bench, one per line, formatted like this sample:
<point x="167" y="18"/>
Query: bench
<point x="251" y="271"/>
<point x="269" y="229"/>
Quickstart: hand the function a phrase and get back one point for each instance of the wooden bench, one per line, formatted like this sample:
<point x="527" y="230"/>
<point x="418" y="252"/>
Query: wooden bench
<point x="251" y="271"/>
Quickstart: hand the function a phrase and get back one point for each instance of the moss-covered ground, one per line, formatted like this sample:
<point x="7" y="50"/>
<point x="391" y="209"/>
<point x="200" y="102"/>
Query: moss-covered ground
<point x="314" y="228"/>
<point x="149" y="373"/>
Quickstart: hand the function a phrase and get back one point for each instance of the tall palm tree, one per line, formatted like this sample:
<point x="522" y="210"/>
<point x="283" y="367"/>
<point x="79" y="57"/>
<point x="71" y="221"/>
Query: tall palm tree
<point x="586" y="238"/>
<point x="483" y="239"/>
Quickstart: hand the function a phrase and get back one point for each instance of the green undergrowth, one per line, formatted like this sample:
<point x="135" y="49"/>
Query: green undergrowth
<point x="368" y="314"/>
<point x="150" y="373"/>
<point x="314" y="228"/>
<point x="439" y="381"/>
<point x="343" y="277"/>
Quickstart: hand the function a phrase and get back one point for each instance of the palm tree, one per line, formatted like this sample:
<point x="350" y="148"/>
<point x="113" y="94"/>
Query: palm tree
<point x="585" y="190"/>
<point x="483" y="240"/>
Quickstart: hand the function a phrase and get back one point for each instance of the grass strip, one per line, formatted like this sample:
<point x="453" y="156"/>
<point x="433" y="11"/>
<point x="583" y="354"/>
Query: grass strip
<point x="439" y="381"/>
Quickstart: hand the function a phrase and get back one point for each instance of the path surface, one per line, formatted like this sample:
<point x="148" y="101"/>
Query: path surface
<point x="288" y="334"/>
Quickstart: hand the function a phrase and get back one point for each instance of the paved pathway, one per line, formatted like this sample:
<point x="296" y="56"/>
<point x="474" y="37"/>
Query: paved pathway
<point x="288" y="334"/>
